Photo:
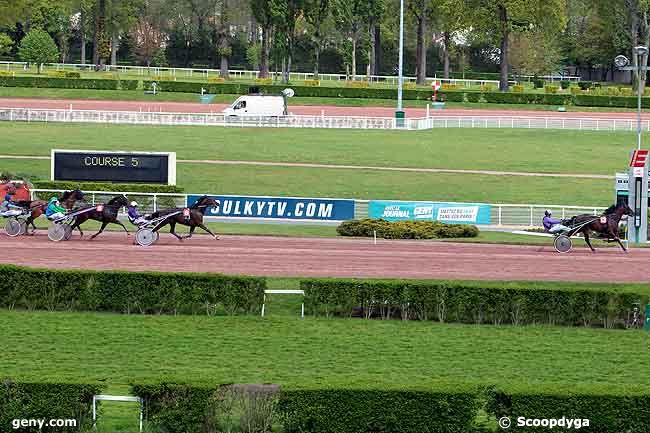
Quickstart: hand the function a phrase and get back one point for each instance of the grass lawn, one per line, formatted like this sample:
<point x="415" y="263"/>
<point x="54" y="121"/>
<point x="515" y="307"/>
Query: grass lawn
<point x="126" y="95"/>
<point x="120" y="349"/>
<point x="476" y="149"/>
<point x="369" y="184"/>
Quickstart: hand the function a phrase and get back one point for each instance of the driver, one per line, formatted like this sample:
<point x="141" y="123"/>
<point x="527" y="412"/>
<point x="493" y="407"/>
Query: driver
<point x="553" y="225"/>
<point x="8" y="208"/>
<point x="54" y="210"/>
<point x="134" y="216"/>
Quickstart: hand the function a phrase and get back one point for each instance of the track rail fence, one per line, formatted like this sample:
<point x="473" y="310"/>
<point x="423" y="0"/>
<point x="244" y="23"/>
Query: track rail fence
<point x="501" y="215"/>
<point x="328" y="122"/>
<point x="253" y="74"/>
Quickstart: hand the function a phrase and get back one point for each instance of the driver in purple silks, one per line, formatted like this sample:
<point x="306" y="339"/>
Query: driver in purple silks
<point x="553" y="225"/>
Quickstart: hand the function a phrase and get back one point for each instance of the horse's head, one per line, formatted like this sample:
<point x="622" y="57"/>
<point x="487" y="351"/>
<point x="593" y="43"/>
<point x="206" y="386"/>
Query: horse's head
<point x="626" y="210"/>
<point x="119" y="201"/>
<point x="205" y="202"/>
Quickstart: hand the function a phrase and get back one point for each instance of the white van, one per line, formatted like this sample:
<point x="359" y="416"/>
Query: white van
<point x="260" y="105"/>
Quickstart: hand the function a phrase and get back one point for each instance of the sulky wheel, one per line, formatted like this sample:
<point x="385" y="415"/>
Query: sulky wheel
<point x="68" y="232"/>
<point x="13" y="227"/>
<point x="56" y="232"/>
<point x="562" y="244"/>
<point x="145" y="237"/>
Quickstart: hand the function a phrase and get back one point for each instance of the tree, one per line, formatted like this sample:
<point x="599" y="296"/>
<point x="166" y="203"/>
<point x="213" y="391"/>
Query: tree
<point x="534" y="53"/>
<point x="421" y="9"/>
<point x="289" y="11"/>
<point x="147" y="32"/>
<point x="351" y="17"/>
<point x="266" y="14"/>
<point x="316" y="12"/>
<point x="6" y="44"/>
<point x="513" y="16"/>
<point x="224" y="48"/>
<point x="38" y="47"/>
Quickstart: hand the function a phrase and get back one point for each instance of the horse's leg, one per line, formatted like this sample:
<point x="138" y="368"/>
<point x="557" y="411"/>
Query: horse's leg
<point x="207" y="230"/>
<point x="119" y="223"/>
<point x="76" y="225"/>
<point x="586" y="235"/>
<point x="191" y="232"/>
<point x="104" y="224"/>
<point x="172" y="230"/>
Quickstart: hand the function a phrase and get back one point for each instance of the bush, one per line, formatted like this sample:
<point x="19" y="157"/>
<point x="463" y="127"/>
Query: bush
<point x="72" y="74"/>
<point x="488" y="87"/>
<point x="452" y="87"/>
<point x="356" y="84"/>
<point x="117" y="187"/>
<point x="565" y="84"/>
<point x="405" y="229"/>
<point x="585" y="85"/>
<point x="550" y="89"/>
<point x="312" y="83"/>
<point x="608" y="410"/>
<point x="451" y="97"/>
<point x="575" y="90"/>
<point x="518" y="88"/>
<point x="537" y="83"/>
<point x="59" y="83"/>
<point x="445" y="410"/>
<point x="23" y="400"/>
<point x="128" y="292"/>
<point x="264" y="81"/>
<point x="216" y="80"/>
<point x="466" y="302"/>
<point x="38" y="47"/>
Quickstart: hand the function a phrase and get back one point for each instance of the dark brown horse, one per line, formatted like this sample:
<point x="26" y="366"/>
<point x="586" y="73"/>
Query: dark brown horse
<point x="37" y="207"/>
<point x="191" y="217"/>
<point x="605" y="225"/>
<point x="104" y="213"/>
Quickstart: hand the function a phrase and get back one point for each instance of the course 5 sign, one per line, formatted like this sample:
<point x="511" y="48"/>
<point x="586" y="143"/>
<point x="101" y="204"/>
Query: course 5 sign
<point x="279" y="208"/>
<point x="459" y="213"/>
<point x="125" y="167"/>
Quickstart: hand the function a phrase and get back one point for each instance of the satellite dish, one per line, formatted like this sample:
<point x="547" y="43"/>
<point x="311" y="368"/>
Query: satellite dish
<point x="288" y="93"/>
<point x="621" y="61"/>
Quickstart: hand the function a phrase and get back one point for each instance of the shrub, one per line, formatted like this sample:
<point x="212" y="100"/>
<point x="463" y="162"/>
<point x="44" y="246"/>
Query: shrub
<point x="59" y="83"/>
<point x="575" y="90"/>
<point x="451" y="97"/>
<point x="488" y="87"/>
<point x="467" y="302"/>
<point x="585" y="85"/>
<point x="405" y="229"/>
<point x="550" y="89"/>
<point x="264" y="81"/>
<point x="38" y="47"/>
<point x="452" y="87"/>
<point x="518" y="88"/>
<point x="72" y="74"/>
<point x="565" y="84"/>
<point x="129" y="292"/>
<point x="356" y="84"/>
<point x="537" y="83"/>
<point x="474" y="97"/>
<point x="24" y="400"/>
<point x="117" y="187"/>
<point x="626" y="91"/>
<point x="216" y="80"/>
<point x="162" y="78"/>
<point x="312" y="83"/>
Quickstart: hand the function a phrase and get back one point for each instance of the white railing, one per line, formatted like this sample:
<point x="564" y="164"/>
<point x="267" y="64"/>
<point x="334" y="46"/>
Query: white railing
<point x="203" y="119"/>
<point x="329" y="122"/>
<point x="502" y="215"/>
<point x="206" y="73"/>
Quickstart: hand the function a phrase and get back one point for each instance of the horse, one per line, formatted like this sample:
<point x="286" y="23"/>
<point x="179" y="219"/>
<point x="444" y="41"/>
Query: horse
<point x="105" y="214"/>
<point x="606" y="225"/>
<point x="37" y="207"/>
<point x="193" y="219"/>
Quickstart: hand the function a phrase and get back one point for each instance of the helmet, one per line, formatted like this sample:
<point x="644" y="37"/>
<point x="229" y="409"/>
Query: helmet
<point x="54" y="199"/>
<point x="548" y="213"/>
<point x="134" y="203"/>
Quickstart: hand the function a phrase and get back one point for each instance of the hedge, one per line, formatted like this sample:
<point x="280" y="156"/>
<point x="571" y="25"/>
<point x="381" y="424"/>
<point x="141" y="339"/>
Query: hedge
<point x="205" y="409"/>
<point x="577" y="99"/>
<point x="68" y="83"/>
<point x="608" y="410"/>
<point x="386" y="411"/>
<point x="118" y="187"/>
<point x="405" y="229"/>
<point x="466" y="302"/>
<point x="129" y="292"/>
<point x="24" y="400"/>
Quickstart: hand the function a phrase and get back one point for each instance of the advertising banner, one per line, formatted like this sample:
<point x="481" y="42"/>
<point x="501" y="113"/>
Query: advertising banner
<point x="458" y="213"/>
<point x="279" y="208"/>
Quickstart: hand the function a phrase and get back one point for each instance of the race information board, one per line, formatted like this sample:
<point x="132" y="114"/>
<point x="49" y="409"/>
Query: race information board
<point x="113" y="166"/>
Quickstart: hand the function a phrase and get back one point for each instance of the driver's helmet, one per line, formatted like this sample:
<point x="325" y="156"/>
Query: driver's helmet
<point x="134" y="204"/>
<point x="548" y="213"/>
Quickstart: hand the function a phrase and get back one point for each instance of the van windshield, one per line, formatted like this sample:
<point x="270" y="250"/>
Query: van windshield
<point x="240" y="105"/>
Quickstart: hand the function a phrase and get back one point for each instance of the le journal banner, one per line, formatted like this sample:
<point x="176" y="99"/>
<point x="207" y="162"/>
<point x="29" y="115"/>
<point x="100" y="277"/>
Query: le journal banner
<point x="454" y="213"/>
<point x="279" y="208"/>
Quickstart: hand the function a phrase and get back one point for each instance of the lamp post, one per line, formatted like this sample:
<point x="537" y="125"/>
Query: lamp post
<point x="399" y="114"/>
<point x="622" y="63"/>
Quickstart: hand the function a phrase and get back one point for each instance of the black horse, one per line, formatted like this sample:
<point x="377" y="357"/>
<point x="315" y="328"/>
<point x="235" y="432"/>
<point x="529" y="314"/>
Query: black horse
<point x="606" y="225"/>
<point x="191" y="217"/>
<point x="104" y="213"/>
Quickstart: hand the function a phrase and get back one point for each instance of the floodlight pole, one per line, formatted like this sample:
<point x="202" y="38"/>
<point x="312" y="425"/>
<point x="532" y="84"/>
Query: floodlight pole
<point x="400" y="78"/>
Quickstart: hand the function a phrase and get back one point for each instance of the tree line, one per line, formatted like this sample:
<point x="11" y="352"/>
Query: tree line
<point x="355" y="37"/>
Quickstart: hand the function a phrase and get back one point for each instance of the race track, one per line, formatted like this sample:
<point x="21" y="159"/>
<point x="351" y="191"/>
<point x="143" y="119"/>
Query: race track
<point x="304" y="110"/>
<point x="315" y="257"/>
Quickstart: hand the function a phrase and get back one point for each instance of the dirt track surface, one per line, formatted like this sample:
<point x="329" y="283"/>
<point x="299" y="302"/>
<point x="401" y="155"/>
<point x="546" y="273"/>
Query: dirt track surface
<point x="313" y="257"/>
<point x="190" y="107"/>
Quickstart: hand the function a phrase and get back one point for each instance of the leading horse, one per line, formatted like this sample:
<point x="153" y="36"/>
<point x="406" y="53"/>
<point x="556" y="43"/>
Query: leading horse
<point x="191" y="217"/>
<point x="605" y="225"/>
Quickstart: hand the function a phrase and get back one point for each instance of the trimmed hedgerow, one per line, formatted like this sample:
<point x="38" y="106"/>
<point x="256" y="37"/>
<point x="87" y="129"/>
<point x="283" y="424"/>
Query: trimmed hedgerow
<point x="606" y="409"/>
<point x="118" y="187"/>
<point x="467" y="302"/>
<point x="68" y="83"/>
<point x="405" y="229"/>
<point x="129" y="292"/>
<point x="25" y="400"/>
